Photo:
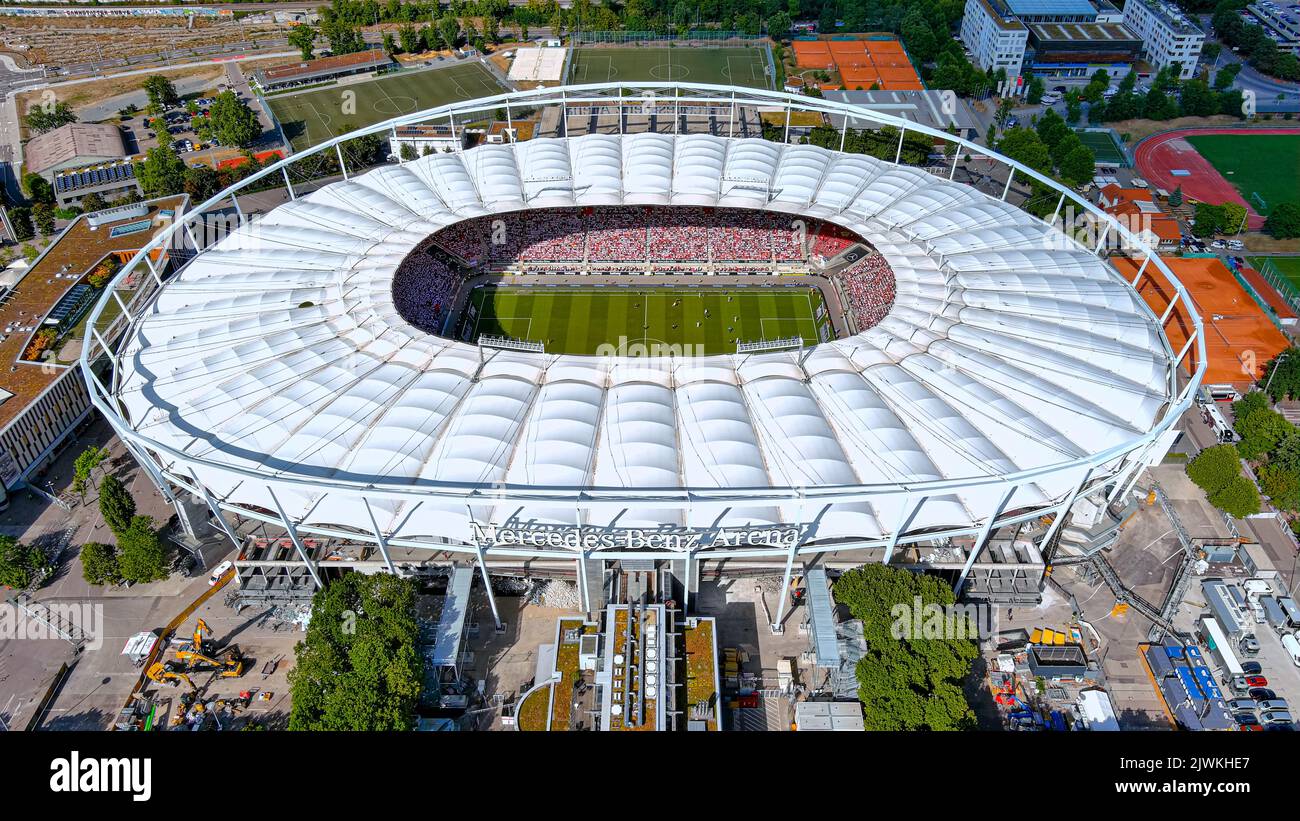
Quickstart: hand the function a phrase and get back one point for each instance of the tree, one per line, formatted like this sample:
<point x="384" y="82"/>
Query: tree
<point x="21" y="219"/>
<point x="1079" y="166"/>
<point x="92" y="202"/>
<point x="390" y="44"/>
<point x="47" y="117"/>
<point x="1234" y="217"/>
<point x="303" y="38"/>
<point x="162" y="94"/>
<point x="82" y="469"/>
<point x="201" y="183"/>
<point x="141" y="556"/>
<point x="116" y="505"/>
<point x="1176" y="198"/>
<point x="1036" y="89"/>
<point x="1214" y="468"/>
<point x="449" y="30"/>
<point x="1052" y="129"/>
<point x="1239" y="498"/>
<point x="232" y="121"/>
<point x="1210" y="220"/>
<point x="99" y="564"/>
<point x="409" y="39"/>
<point x="906" y="681"/>
<point x="1024" y="146"/>
<point x="1283" y="221"/>
<point x="162" y="173"/>
<point x="21" y="565"/>
<point x="1282" y="376"/>
<point x="1281" y="485"/>
<point x="37" y="188"/>
<point x="343" y="38"/>
<point x="1260" y="431"/>
<point x="358" y="669"/>
<point x="43" y="218"/>
<point x="408" y="152"/>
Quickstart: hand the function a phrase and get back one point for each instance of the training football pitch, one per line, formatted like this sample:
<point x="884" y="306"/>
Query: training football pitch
<point x="1285" y="268"/>
<point x="1261" y="168"/>
<point x="582" y="320"/>
<point x="735" y="66"/>
<point x="314" y="116"/>
<point x="1102" y="145"/>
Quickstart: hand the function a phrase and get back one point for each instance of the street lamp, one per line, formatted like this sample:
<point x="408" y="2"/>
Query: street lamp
<point x="1276" y="364"/>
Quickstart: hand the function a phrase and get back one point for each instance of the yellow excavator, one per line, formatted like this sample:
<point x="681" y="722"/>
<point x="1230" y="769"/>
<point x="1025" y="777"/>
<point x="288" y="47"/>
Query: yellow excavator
<point x="200" y="656"/>
<point x="230" y="665"/>
<point x="159" y="673"/>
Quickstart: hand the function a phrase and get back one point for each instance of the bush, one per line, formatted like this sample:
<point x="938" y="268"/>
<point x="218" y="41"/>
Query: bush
<point x="1215" y="468"/>
<point x="21" y="566"/>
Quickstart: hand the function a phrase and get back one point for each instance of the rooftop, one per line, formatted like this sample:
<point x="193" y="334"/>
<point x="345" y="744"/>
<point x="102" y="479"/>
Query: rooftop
<point x="323" y="65"/>
<point x="61" y="268"/>
<point x="1038" y="8"/>
<point x="1171" y="15"/>
<point x="1083" y="32"/>
<point x="72" y="142"/>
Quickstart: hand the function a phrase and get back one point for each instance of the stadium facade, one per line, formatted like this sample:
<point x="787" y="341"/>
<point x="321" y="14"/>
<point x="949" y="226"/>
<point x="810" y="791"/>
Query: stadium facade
<point x="272" y="376"/>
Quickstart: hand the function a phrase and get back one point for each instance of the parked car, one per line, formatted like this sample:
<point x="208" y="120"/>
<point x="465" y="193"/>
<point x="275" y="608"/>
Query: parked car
<point x="1218" y="245"/>
<point x="1275" y="717"/>
<point x="1239" y="684"/>
<point x="1262" y="693"/>
<point x="1252" y="668"/>
<point x="1246" y="719"/>
<point x="1256" y="681"/>
<point x="1250" y="646"/>
<point x="1236" y="244"/>
<point x="1242" y="705"/>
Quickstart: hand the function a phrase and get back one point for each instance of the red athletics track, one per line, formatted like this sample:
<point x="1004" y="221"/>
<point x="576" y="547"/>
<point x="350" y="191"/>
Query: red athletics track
<point x="1157" y="157"/>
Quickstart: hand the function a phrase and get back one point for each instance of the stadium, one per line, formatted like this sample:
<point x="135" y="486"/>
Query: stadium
<point x="797" y="353"/>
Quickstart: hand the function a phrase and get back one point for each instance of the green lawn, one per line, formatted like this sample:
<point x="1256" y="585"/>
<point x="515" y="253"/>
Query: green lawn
<point x="1263" y="164"/>
<point x="581" y="320"/>
<point x="736" y="66"/>
<point x="315" y="116"/>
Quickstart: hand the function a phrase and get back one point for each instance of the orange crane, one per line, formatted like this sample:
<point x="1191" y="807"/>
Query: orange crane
<point x="160" y="673"/>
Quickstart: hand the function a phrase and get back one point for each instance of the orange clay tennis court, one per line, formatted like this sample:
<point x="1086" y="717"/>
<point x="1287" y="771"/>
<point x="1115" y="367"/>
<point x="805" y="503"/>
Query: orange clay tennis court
<point x="860" y="63"/>
<point x="1239" y="338"/>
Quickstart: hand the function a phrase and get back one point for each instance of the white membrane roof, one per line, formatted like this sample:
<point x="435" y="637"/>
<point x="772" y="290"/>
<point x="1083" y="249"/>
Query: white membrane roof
<point x="1009" y="347"/>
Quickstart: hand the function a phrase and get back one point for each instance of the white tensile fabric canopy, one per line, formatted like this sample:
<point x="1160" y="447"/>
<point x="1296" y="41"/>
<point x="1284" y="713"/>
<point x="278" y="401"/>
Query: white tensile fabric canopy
<point x="1009" y="347"/>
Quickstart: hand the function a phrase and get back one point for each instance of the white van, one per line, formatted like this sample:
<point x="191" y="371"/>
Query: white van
<point x="1292" y="647"/>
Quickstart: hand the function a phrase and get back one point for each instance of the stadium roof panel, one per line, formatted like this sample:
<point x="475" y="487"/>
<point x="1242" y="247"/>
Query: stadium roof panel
<point x="1009" y="348"/>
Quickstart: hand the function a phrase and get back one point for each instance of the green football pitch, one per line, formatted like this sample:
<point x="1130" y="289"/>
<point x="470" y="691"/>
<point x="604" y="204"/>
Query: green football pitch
<point x="1265" y="170"/>
<point x="736" y="66"/>
<point x="1287" y="268"/>
<point x="1102" y="145"/>
<point x="582" y="320"/>
<point x="314" y="116"/>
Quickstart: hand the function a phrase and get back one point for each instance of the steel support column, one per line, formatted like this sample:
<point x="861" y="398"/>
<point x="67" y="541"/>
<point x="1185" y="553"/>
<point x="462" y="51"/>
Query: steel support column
<point x="142" y="456"/>
<point x="953" y="173"/>
<point x="583" y="587"/>
<point x="981" y="540"/>
<point x="1141" y="268"/>
<point x="909" y="511"/>
<point x="1011" y="175"/>
<point x="1057" y="212"/>
<point x="785" y="138"/>
<point x="215" y="508"/>
<point x="898" y="157"/>
<point x="343" y="166"/>
<point x="844" y="132"/>
<point x="293" y="537"/>
<point x="487" y="586"/>
<point x="1064" y="511"/>
<point x="777" y="626"/>
<point x="379" y="536"/>
<point x="686" y="594"/>
<point x="287" y="184"/>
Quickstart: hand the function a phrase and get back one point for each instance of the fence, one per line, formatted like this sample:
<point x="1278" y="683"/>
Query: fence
<point x="705" y="35"/>
<point x="1284" y="287"/>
